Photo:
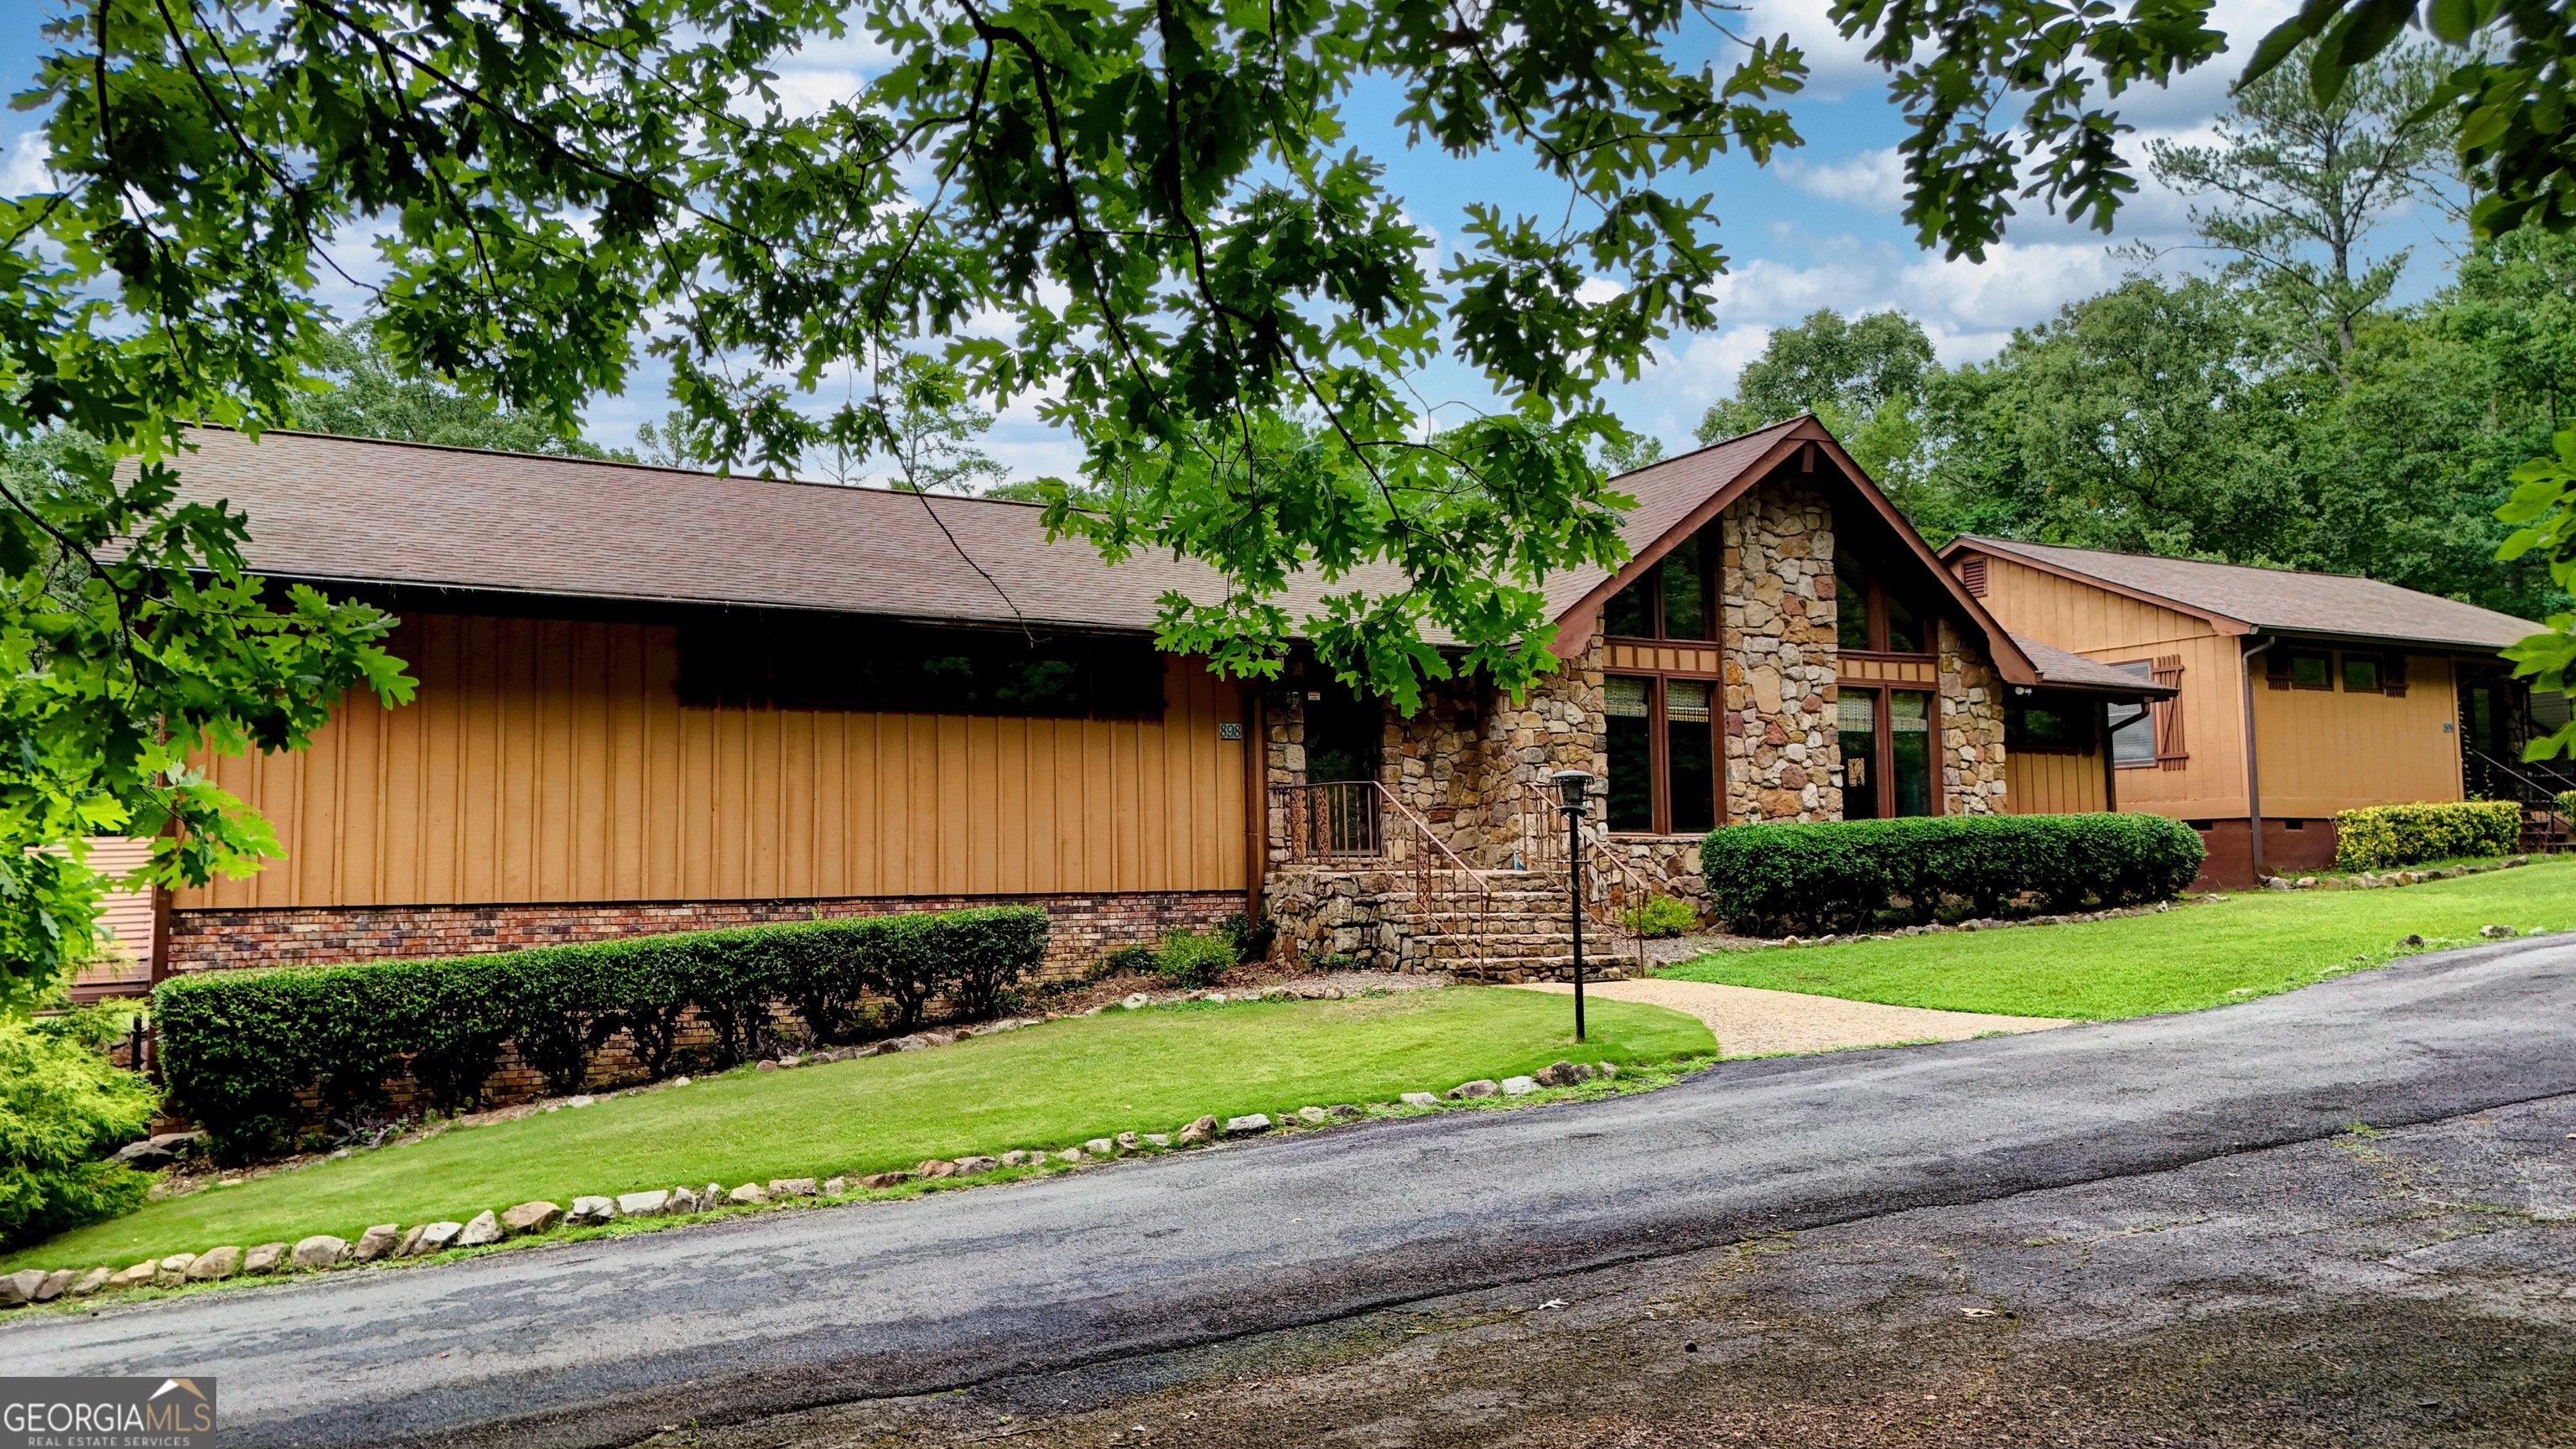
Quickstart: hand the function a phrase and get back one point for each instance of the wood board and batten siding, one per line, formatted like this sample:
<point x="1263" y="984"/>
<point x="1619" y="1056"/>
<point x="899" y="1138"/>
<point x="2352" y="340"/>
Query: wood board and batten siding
<point x="552" y="761"/>
<point x="2053" y="782"/>
<point x="2324" y="750"/>
<point x="2114" y="629"/>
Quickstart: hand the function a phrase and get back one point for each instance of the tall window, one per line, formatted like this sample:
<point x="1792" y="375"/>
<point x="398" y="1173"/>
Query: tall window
<point x="1871" y="617"/>
<point x="1887" y="745"/>
<point x="1663" y="753"/>
<point x="1669" y="601"/>
<point x="2133" y="726"/>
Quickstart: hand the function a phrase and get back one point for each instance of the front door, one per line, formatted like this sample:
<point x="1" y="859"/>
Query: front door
<point x="1888" y="751"/>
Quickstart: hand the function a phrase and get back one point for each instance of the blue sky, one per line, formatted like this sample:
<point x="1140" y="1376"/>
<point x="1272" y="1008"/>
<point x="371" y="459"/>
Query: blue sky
<point x="1817" y="228"/>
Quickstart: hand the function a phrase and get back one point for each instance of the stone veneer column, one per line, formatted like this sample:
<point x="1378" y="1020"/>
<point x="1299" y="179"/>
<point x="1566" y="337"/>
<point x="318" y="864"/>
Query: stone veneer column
<point x="1777" y="583"/>
<point x="1972" y="727"/>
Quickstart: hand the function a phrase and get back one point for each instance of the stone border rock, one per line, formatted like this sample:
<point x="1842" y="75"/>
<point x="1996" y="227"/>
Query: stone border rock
<point x="391" y="1242"/>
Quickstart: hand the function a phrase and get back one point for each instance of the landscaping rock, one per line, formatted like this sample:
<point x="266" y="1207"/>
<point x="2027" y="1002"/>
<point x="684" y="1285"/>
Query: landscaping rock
<point x="1135" y="1000"/>
<point x="144" y="1157"/>
<point x="436" y="1238"/>
<point x="173" y="1271"/>
<point x="323" y="1250"/>
<point x="1129" y="1142"/>
<point x="1069" y="1155"/>
<point x="904" y="1044"/>
<point x="835" y="1186"/>
<point x="1250" y="1125"/>
<point x="56" y="1284"/>
<point x="1424" y="1099"/>
<point x="707" y="1199"/>
<point x="791" y="1187"/>
<point x="215" y="1264"/>
<point x="1563" y="1074"/>
<point x="481" y="1230"/>
<point x="969" y="1166"/>
<point x="934" y="1167"/>
<point x="584" y="1101"/>
<point x="940" y="1038"/>
<point x="377" y="1242"/>
<point x="135" y="1275"/>
<point x="1609" y="1071"/>
<point x="92" y="1281"/>
<point x="773" y="1066"/>
<point x="17" y="1290"/>
<point x="1345" y="1110"/>
<point x="1313" y="1116"/>
<point x="879" y="1181"/>
<point x="2496" y="933"/>
<point x="750" y="1194"/>
<point x="1158" y="1139"/>
<point x="1198" y="1132"/>
<point x="267" y="1258"/>
<point x="650" y="1204"/>
<point x="531" y="1217"/>
<point x="1015" y="1158"/>
<point x="590" y="1212"/>
<point x="1481" y="1087"/>
<point x="2410" y="939"/>
<point x="1101" y="1147"/>
<point x="1519" y="1086"/>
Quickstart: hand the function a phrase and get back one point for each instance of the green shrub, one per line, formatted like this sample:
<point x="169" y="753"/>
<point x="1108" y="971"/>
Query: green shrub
<point x="1191" y="959"/>
<point x="63" y="1107"/>
<point x="241" y="1049"/>
<point x="2567" y="804"/>
<point x="1125" y="961"/>
<point x="1253" y="936"/>
<point x="2392" y="835"/>
<point x="1838" y="875"/>
<point x="1660" y="916"/>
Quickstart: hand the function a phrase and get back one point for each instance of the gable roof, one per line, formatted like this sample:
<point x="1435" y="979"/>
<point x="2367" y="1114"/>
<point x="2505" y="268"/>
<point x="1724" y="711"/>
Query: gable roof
<point x="1683" y="494"/>
<point x="2241" y="598"/>
<point x="2059" y="669"/>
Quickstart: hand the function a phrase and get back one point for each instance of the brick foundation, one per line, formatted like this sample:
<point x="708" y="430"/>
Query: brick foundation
<point x="1080" y="928"/>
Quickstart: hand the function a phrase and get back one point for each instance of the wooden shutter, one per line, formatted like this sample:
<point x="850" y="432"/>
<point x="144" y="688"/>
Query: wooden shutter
<point x="2170" y="753"/>
<point x="2276" y="668"/>
<point x="1972" y="573"/>
<point x="2392" y="676"/>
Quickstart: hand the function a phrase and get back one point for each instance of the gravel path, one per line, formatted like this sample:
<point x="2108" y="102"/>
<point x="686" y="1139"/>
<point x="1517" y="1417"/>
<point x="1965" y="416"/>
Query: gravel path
<point x="1752" y="1022"/>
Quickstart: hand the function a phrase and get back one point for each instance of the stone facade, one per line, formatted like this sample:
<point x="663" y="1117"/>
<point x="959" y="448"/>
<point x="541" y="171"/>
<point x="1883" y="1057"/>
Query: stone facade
<point x="1778" y="589"/>
<point x="1080" y="928"/>
<point x="1972" y="726"/>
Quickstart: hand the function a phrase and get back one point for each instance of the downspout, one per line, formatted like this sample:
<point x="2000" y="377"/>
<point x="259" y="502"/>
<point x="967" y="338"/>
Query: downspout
<point x="2253" y="783"/>
<point x="2110" y="766"/>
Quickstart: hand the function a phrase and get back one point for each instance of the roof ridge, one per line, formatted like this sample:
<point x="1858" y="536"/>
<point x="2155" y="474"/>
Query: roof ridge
<point x="2216" y="563"/>
<point x="1711" y="447"/>
<point x="605" y="463"/>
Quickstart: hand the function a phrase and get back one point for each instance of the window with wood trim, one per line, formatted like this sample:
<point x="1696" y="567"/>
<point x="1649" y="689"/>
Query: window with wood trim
<point x="2299" y="669"/>
<point x="1675" y="598"/>
<point x="2051" y="724"/>
<point x="1665" y="756"/>
<point x="1890" y="739"/>
<point x="804" y="661"/>
<point x="2133" y="726"/>
<point x="1870" y="617"/>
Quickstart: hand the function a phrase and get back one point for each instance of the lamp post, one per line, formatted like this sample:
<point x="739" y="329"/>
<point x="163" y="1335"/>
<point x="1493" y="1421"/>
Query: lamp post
<point x="1571" y="787"/>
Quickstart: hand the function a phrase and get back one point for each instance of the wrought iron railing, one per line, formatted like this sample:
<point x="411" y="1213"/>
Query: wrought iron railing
<point x="1613" y="887"/>
<point x="2535" y="787"/>
<point x="1360" y="823"/>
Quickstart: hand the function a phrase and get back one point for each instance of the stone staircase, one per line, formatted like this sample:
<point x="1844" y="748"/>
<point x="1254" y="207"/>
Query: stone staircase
<point x="1507" y="926"/>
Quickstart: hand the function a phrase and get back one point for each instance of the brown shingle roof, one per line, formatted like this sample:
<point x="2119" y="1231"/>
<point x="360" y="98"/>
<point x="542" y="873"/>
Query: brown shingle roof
<point x="366" y="510"/>
<point x="2061" y="670"/>
<point x="2330" y="605"/>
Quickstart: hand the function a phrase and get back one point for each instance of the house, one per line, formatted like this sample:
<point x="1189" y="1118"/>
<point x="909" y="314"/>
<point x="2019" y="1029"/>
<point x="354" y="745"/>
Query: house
<point x="656" y="700"/>
<point x="2296" y="695"/>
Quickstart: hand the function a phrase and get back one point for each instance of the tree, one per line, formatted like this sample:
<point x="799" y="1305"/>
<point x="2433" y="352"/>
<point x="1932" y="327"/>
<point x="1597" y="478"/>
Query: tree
<point x="2303" y="183"/>
<point x="1863" y="379"/>
<point x="932" y="431"/>
<point x="369" y="397"/>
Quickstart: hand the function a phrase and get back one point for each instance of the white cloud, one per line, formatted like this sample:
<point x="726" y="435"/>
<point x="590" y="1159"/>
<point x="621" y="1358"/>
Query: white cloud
<point x="1872" y="180"/>
<point x="22" y="164"/>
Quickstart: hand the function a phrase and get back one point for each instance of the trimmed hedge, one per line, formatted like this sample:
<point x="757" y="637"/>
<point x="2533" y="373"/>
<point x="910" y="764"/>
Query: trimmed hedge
<point x="2392" y="835"/>
<point x="1838" y="875"/>
<point x="239" y="1048"/>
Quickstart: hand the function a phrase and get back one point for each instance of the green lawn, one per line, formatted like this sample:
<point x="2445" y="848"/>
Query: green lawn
<point x="2183" y="959"/>
<point x="1047" y="1086"/>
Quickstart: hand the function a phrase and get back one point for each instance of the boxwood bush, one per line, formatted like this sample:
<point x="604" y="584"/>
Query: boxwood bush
<point x="2383" y="836"/>
<point x="1839" y="875"/>
<point x="241" y="1049"/>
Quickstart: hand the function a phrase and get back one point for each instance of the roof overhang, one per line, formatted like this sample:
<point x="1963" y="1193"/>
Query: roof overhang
<point x="2002" y="548"/>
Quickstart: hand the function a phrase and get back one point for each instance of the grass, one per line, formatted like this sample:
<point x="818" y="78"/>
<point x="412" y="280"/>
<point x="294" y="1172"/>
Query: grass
<point x="2190" y="957"/>
<point x="1048" y="1086"/>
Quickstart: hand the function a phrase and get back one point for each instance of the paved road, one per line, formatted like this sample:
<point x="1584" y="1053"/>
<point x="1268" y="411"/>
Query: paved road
<point x="597" y="1343"/>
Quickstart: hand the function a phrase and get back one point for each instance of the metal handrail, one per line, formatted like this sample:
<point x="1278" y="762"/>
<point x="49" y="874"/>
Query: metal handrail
<point x="2557" y="825"/>
<point x="1372" y="842"/>
<point x="1543" y="842"/>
